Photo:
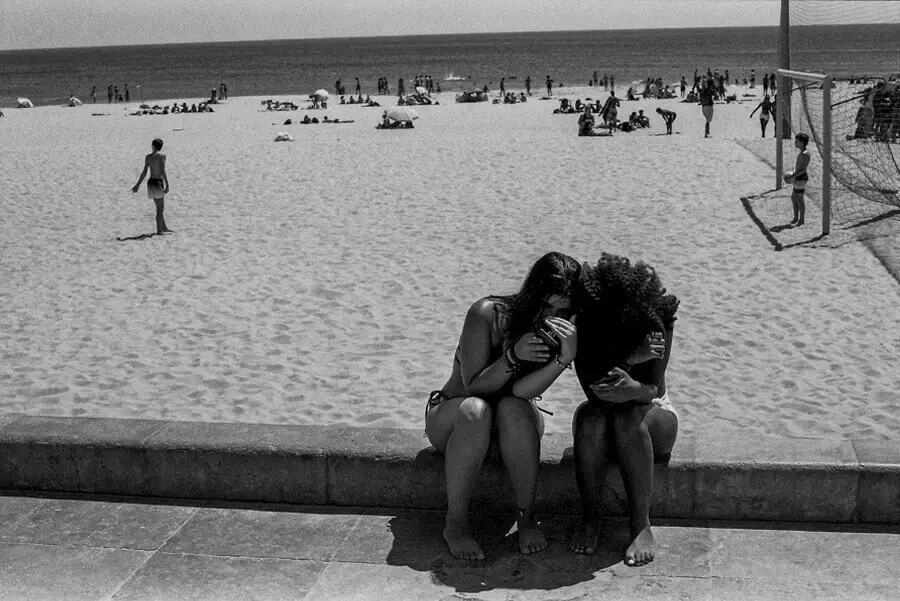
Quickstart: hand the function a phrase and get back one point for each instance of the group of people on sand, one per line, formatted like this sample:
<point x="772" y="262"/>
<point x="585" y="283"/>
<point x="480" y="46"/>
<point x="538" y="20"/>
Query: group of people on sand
<point x="613" y="321"/>
<point x="146" y="109"/>
<point x="878" y="116"/>
<point x="359" y="100"/>
<point x="388" y="123"/>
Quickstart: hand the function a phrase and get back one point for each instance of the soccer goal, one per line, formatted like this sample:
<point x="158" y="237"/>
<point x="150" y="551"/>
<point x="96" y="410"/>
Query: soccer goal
<point x="838" y="83"/>
<point x="822" y="141"/>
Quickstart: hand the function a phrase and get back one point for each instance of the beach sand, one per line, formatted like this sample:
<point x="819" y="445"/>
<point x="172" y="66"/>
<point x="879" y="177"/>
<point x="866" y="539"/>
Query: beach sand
<point x="325" y="281"/>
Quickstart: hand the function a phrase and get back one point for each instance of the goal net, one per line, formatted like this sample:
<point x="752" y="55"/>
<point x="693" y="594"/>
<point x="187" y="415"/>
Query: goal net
<point x="861" y="105"/>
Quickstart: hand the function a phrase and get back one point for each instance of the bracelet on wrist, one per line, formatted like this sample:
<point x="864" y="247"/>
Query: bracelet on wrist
<point x="561" y="364"/>
<point x="509" y="357"/>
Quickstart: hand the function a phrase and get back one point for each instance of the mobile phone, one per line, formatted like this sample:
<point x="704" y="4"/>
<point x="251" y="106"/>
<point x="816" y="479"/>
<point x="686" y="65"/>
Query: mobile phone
<point x="549" y="338"/>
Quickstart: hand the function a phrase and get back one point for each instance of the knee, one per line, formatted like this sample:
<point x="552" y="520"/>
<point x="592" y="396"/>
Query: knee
<point x="513" y="412"/>
<point x="474" y="412"/>
<point x="628" y="422"/>
<point x="589" y="422"/>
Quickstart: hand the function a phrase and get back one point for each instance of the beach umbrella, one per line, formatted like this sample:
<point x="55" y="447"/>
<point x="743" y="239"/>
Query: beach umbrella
<point x="24" y="103"/>
<point x="321" y="93"/>
<point x="402" y="113"/>
<point x="421" y="90"/>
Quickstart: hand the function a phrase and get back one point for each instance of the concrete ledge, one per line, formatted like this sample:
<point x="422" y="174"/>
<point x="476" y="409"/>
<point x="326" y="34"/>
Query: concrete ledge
<point x="747" y="478"/>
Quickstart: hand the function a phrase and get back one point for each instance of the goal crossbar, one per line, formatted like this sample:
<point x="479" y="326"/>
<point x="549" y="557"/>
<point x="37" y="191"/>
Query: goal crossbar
<point x="825" y="147"/>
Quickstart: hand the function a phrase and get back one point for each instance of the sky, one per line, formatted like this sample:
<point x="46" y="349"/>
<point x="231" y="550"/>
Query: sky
<point x="70" y="23"/>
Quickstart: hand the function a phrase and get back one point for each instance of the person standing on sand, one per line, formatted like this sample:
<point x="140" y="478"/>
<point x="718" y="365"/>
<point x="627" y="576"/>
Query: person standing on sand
<point x="683" y="86"/>
<point x="625" y="326"/>
<point x="512" y="348"/>
<point x="127" y="94"/>
<point x="610" y="112"/>
<point x="668" y="117"/>
<point x="358" y="87"/>
<point x="707" y="97"/>
<point x="109" y="93"/>
<point x="767" y="111"/>
<point x="94" y="94"/>
<point x="502" y="87"/>
<point x="799" y="176"/>
<point x="157" y="183"/>
<point x="528" y="85"/>
<point x="549" y="86"/>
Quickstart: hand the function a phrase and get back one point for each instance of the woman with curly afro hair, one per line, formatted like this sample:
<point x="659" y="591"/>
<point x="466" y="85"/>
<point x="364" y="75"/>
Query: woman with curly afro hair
<point x="625" y="324"/>
<point x="501" y="366"/>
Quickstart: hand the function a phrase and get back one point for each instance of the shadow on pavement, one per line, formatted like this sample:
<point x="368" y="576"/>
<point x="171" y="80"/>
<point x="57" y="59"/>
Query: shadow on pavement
<point x="418" y="544"/>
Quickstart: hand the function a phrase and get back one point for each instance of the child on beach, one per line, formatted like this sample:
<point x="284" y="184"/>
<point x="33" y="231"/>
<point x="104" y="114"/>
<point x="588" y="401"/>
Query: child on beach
<point x="799" y="176"/>
<point x="512" y="348"/>
<point x="157" y="183"/>
<point x="707" y="96"/>
<point x="625" y="325"/>
<point x="669" y="118"/>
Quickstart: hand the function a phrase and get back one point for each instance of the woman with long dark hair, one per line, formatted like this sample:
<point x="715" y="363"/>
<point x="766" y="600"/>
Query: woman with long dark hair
<point x="512" y="348"/>
<point x="625" y="326"/>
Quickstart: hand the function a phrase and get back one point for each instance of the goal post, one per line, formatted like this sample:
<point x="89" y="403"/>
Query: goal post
<point x="822" y="142"/>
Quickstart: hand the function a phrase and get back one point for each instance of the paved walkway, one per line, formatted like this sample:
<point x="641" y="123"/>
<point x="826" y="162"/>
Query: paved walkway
<point x="130" y="549"/>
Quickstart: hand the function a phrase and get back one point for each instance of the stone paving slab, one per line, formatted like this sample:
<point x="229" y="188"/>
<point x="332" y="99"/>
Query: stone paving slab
<point x="225" y="551"/>
<point x="259" y="533"/>
<point x="98" y="524"/>
<point x="57" y="573"/>
<point x="188" y="577"/>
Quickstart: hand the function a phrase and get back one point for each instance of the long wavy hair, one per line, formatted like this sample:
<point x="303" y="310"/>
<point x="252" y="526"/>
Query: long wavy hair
<point x="554" y="273"/>
<point x="621" y="302"/>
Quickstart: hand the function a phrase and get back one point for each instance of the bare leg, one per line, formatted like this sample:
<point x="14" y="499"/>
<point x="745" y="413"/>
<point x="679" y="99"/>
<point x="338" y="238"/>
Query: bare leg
<point x="796" y="207"/>
<point x="636" y="447"/>
<point x="801" y="207"/>
<point x="160" y="217"/>
<point x="519" y="427"/>
<point x="461" y="429"/>
<point x="590" y="434"/>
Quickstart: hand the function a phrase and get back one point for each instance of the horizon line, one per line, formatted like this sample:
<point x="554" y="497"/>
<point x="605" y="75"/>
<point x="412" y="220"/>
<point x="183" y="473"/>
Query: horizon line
<point x="420" y="35"/>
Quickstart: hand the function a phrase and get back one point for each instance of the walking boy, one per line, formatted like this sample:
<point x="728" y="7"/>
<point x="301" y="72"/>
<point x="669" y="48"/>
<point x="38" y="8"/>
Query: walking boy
<point x="157" y="183"/>
<point x="799" y="177"/>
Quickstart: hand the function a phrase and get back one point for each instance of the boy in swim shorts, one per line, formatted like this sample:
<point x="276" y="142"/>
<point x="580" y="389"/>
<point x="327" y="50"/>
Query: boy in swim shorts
<point x="707" y="96"/>
<point x="799" y="177"/>
<point x="157" y="183"/>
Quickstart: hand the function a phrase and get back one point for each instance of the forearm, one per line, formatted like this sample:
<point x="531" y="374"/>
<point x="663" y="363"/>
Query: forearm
<point x="538" y="381"/>
<point x="645" y="393"/>
<point x="491" y="379"/>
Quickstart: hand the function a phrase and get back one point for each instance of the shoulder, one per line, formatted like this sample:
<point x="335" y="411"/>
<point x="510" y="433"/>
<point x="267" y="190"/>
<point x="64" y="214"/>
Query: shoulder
<point x="483" y="310"/>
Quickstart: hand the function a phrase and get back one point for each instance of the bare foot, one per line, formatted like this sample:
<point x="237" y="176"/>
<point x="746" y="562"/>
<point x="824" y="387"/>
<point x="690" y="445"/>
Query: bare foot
<point x="531" y="538"/>
<point x="585" y="539"/>
<point x="642" y="548"/>
<point x="460" y="542"/>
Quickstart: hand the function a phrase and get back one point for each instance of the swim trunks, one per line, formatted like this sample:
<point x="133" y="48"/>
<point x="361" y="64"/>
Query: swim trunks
<point x="663" y="402"/>
<point x="155" y="188"/>
<point x="800" y="182"/>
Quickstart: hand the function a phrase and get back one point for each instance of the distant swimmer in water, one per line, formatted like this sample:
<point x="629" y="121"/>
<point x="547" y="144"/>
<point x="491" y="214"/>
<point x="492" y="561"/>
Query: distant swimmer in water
<point x="157" y="183"/>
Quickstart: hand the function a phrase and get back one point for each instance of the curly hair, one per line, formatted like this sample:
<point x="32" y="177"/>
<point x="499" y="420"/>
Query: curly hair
<point x="622" y="300"/>
<point x="554" y="273"/>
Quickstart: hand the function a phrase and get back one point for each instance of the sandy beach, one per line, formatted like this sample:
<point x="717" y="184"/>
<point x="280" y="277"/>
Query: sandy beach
<point x="325" y="280"/>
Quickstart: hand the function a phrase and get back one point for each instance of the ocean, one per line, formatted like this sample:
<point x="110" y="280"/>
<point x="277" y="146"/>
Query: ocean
<point x="277" y="67"/>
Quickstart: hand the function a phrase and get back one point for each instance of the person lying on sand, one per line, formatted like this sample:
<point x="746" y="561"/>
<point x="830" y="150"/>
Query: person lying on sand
<point x="512" y="348"/>
<point x="625" y="325"/>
